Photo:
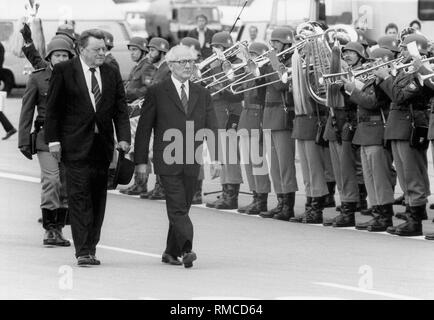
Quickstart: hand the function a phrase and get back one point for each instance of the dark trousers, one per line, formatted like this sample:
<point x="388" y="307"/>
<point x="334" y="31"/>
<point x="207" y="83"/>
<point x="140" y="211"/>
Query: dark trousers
<point x="7" y="125"/>
<point x="86" y="182"/>
<point x="180" y="190"/>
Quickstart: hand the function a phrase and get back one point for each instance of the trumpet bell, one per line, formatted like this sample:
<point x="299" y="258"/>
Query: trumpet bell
<point x="342" y="33"/>
<point x="253" y="68"/>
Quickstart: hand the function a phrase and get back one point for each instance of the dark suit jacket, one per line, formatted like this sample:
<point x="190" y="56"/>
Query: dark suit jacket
<point x="163" y="111"/>
<point x="206" y="50"/>
<point x="71" y="118"/>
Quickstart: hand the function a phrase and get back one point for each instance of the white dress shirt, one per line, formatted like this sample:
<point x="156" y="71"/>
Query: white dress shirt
<point x="178" y="84"/>
<point x="88" y="77"/>
<point x="201" y="37"/>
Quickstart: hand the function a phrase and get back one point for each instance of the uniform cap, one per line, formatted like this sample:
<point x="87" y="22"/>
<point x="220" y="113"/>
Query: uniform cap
<point x="138" y="42"/>
<point x="58" y="44"/>
<point x="356" y="47"/>
<point x="67" y="30"/>
<point x="421" y="42"/>
<point x="222" y="38"/>
<point x="108" y="39"/>
<point x="258" y="48"/>
<point x="284" y="35"/>
<point x="382" y="53"/>
<point x="191" y="42"/>
<point x="389" y="42"/>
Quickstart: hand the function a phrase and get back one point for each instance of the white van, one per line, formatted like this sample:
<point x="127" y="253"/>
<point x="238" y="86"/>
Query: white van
<point x="101" y="14"/>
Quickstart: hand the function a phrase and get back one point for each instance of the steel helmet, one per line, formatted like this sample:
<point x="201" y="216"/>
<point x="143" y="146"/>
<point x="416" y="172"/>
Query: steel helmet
<point x="191" y="42"/>
<point x="382" y="53"/>
<point x="389" y="42"/>
<point x="108" y="39"/>
<point x="222" y="38"/>
<point x="258" y="48"/>
<point x="58" y="44"/>
<point x="284" y="35"/>
<point x="138" y="42"/>
<point x="64" y="37"/>
<point x="421" y="42"/>
<point x="67" y="30"/>
<point x="159" y="43"/>
<point x="356" y="47"/>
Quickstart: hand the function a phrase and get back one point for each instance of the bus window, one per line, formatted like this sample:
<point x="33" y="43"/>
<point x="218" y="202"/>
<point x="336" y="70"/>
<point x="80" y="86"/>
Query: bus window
<point x="338" y="12"/>
<point x="425" y="10"/>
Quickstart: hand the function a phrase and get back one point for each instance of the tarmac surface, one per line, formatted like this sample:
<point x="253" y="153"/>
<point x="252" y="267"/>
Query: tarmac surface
<point x="239" y="256"/>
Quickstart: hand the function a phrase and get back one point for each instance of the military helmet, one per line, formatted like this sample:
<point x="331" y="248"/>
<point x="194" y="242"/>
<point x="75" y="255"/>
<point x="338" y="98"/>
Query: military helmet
<point x="108" y="39"/>
<point x="382" y="53"/>
<point x="67" y="30"/>
<point x="258" y="48"/>
<point x="159" y="43"/>
<point x="64" y="37"/>
<point x="389" y="42"/>
<point x="58" y="44"/>
<point x="191" y="42"/>
<point x="284" y="35"/>
<point x="222" y="38"/>
<point x="138" y="42"/>
<point x="356" y="47"/>
<point x="421" y="42"/>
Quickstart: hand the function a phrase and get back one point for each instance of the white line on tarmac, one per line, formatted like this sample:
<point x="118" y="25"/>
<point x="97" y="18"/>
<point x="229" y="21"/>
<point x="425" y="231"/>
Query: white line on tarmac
<point x="19" y="177"/>
<point x="366" y="291"/>
<point x="139" y="253"/>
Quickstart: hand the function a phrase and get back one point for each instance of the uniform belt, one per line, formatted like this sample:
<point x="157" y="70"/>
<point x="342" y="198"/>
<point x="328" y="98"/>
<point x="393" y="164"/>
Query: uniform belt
<point x="252" y="106"/>
<point x="369" y="118"/>
<point x="273" y="104"/>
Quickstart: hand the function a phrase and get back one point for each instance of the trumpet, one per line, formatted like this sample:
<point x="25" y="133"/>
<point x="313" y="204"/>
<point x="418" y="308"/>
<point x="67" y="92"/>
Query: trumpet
<point x="286" y="76"/>
<point x="224" y="55"/>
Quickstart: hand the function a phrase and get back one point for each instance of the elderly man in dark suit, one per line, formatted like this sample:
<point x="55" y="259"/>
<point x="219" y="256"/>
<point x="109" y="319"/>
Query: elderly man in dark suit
<point x="182" y="108"/>
<point x="85" y="98"/>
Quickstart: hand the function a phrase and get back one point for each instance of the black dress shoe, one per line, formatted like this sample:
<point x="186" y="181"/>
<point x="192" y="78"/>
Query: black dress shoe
<point x="95" y="261"/>
<point x="188" y="258"/>
<point x="85" y="261"/>
<point x="169" y="259"/>
<point x="429" y="236"/>
<point x="9" y="133"/>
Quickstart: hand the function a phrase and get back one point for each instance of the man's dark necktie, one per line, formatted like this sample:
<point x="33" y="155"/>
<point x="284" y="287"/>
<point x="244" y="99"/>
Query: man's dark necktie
<point x="95" y="88"/>
<point x="184" y="99"/>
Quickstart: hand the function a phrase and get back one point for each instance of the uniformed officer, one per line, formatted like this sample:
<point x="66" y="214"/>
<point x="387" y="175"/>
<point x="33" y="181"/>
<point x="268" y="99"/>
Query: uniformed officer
<point x="158" y="47"/>
<point x="192" y="42"/>
<point x="139" y="80"/>
<point x="309" y="118"/>
<point x="251" y="141"/>
<point x="345" y="156"/>
<point x="373" y="107"/>
<point x="53" y="196"/>
<point x="109" y="59"/>
<point x="277" y="126"/>
<point x="228" y="109"/>
<point x="409" y="106"/>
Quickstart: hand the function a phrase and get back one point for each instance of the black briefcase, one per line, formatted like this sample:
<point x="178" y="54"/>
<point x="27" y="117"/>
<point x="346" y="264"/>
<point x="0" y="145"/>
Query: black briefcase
<point x="33" y="137"/>
<point x="419" y="137"/>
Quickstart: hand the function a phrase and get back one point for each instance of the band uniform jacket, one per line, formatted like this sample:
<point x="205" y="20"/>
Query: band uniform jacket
<point x="278" y="102"/>
<point x="206" y="49"/>
<point x="254" y="100"/>
<point x="346" y="119"/>
<point x="35" y="96"/>
<point x="373" y="104"/>
<point x="139" y="80"/>
<point x="110" y="60"/>
<point x="163" y="111"/>
<point x="225" y="102"/>
<point x="405" y="90"/>
<point x="431" y="120"/>
<point x="71" y="117"/>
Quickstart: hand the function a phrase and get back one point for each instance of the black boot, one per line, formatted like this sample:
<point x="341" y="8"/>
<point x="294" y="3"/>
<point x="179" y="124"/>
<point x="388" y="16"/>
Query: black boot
<point x="307" y="208"/>
<point x="382" y="220"/>
<point x="219" y="198"/>
<point x="413" y="226"/>
<point x="276" y="210"/>
<point x="62" y="213"/>
<point x="329" y="200"/>
<point x="136" y="189"/>
<point x="288" y="207"/>
<point x="250" y="205"/>
<point x="229" y="202"/>
<point x="347" y="216"/>
<point x="197" y="198"/>
<point x="49" y="224"/>
<point x="363" y="193"/>
<point x="374" y="212"/>
<point x="400" y="201"/>
<point x="158" y="193"/>
<point x="314" y="216"/>
<point x="260" y="206"/>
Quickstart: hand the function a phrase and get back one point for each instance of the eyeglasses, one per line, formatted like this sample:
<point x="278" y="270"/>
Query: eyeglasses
<point x="184" y="62"/>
